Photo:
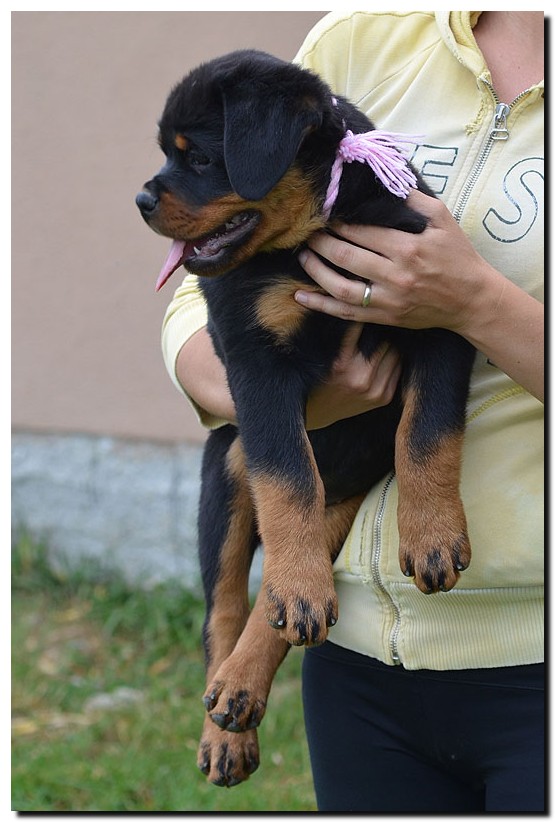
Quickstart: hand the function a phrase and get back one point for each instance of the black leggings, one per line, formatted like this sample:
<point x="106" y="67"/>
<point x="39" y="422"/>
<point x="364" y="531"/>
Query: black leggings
<point x="384" y="739"/>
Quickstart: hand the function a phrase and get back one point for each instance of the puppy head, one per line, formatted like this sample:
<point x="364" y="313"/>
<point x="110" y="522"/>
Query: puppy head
<point x="240" y="176"/>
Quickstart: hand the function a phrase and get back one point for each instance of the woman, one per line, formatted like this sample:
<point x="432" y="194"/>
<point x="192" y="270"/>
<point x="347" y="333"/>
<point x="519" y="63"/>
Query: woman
<point x="431" y="704"/>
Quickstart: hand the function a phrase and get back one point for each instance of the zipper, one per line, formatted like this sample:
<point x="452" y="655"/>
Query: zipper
<point x="375" y="573"/>
<point x="499" y="132"/>
<point x="499" y="129"/>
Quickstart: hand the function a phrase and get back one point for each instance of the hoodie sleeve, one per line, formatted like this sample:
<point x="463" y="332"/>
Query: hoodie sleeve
<point x="185" y="315"/>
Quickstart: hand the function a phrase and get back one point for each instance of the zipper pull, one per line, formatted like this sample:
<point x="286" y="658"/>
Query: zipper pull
<point x="499" y="130"/>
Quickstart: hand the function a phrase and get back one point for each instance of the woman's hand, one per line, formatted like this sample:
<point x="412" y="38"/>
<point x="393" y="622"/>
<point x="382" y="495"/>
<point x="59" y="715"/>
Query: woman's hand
<point x="431" y="280"/>
<point x="355" y="384"/>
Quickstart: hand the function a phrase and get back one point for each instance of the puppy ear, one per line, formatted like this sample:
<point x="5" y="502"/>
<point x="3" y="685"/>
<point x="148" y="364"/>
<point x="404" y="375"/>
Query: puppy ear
<point x="262" y="135"/>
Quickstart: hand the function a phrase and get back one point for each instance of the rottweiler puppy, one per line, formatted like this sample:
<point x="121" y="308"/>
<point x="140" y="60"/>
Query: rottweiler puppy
<point x="250" y="143"/>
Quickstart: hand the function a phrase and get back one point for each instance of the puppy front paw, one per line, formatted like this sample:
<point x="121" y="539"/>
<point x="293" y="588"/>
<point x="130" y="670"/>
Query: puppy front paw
<point x="302" y="613"/>
<point x="435" y="559"/>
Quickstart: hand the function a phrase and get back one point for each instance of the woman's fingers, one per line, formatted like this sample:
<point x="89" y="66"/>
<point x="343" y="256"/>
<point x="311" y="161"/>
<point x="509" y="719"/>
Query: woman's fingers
<point x="344" y="298"/>
<point x="355" y="384"/>
<point x="369" y="380"/>
<point x="383" y="375"/>
<point x="352" y="249"/>
<point x="392" y="366"/>
<point x="349" y="345"/>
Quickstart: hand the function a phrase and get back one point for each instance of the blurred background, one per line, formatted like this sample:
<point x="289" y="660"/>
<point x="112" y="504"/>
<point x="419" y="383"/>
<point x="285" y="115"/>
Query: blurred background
<point x="107" y="668"/>
<point x="105" y="450"/>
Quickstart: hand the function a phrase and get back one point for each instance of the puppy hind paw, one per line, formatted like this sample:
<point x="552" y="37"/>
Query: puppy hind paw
<point x="233" y="709"/>
<point x="227" y="759"/>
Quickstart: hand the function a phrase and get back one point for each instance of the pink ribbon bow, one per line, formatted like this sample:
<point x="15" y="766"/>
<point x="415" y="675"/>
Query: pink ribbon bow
<point x="380" y="150"/>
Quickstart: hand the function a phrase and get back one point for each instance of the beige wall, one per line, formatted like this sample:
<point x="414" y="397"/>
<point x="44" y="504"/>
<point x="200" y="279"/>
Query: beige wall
<point x="88" y="88"/>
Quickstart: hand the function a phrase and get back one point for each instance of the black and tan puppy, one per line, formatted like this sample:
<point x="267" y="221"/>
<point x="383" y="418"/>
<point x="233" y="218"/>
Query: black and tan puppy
<point x="250" y="142"/>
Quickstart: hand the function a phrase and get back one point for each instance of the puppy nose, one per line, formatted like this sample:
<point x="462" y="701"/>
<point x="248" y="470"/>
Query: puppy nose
<point x="146" y="202"/>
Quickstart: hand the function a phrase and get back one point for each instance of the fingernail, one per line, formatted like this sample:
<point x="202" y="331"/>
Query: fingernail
<point x="301" y="297"/>
<point x="303" y="256"/>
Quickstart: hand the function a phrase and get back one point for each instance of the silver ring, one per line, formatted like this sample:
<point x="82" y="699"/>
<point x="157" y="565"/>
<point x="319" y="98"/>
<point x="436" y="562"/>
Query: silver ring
<point x="367" y="295"/>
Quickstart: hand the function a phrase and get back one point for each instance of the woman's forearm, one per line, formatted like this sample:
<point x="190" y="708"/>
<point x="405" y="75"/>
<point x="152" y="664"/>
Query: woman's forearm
<point x="508" y="327"/>
<point x="202" y="375"/>
<point x="354" y="385"/>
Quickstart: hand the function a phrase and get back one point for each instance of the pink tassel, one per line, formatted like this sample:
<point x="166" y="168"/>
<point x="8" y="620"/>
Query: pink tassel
<point x="380" y="150"/>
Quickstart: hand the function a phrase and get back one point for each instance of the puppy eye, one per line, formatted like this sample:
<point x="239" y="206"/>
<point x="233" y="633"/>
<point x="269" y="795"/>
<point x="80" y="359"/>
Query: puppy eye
<point x="197" y="158"/>
<point x="193" y="155"/>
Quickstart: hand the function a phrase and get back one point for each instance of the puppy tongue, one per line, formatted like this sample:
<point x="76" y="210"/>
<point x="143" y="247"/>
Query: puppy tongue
<point x="173" y="261"/>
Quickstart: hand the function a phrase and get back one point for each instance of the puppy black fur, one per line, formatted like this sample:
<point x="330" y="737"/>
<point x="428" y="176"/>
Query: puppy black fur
<point x="249" y="142"/>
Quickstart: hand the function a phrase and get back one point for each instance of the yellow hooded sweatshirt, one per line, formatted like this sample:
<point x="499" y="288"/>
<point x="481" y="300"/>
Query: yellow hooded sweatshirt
<point x="423" y="73"/>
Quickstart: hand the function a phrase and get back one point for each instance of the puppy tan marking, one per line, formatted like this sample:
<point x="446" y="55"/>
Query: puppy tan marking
<point x="231" y="606"/>
<point x="181" y="142"/>
<point x="301" y="604"/>
<point x="277" y="310"/>
<point x="433" y="539"/>
<point x="225" y="758"/>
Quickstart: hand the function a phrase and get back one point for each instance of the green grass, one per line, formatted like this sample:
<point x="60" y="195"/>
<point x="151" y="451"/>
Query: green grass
<point x="78" y="636"/>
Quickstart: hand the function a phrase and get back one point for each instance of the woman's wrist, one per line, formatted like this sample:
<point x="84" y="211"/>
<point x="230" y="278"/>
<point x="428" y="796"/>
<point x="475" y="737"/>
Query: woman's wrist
<point x="482" y="304"/>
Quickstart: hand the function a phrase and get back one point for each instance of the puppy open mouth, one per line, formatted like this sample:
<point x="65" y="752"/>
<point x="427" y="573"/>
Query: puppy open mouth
<point x="209" y="251"/>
